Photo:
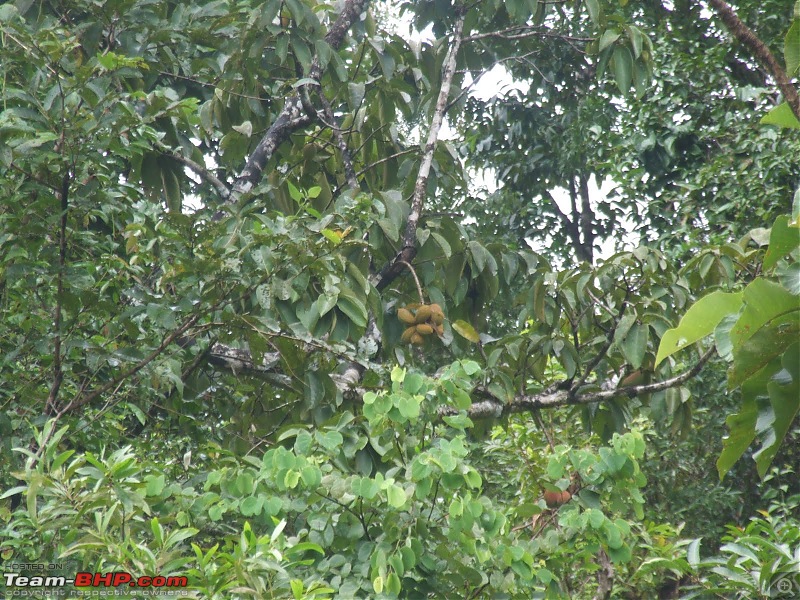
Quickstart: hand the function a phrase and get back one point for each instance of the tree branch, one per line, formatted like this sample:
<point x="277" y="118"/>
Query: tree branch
<point x="293" y="115"/>
<point x="58" y="371"/>
<point x="407" y="253"/>
<point x="760" y="50"/>
<point x="550" y="398"/>
<point x="199" y="169"/>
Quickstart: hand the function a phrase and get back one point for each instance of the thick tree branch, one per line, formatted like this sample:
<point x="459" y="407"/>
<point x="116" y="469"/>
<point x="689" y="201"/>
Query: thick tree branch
<point x="520" y="32"/>
<point x="293" y="116"/>
<point x="760" y="50"/>
<point x="587" y="219"/>
<point x="58" y="371"/>
<point x="490" y="407"/>
<point x="550" y="398"/>
<point x="409" y="250"/>
<point x="605" y="576"/>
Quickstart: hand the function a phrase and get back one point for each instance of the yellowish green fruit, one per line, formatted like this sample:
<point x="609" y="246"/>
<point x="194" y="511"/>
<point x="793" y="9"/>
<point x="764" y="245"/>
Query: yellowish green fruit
<point x="423" y="313"/>
<point x="405" y="316"/>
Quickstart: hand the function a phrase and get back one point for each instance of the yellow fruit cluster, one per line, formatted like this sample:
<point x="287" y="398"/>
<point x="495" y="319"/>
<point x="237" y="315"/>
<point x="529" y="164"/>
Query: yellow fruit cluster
<point x="421" y="320"/>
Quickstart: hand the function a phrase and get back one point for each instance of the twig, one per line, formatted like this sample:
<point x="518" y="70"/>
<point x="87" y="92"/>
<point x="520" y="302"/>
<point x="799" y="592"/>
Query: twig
<point x="218" y="185"/>
<point x="416" y="280"/>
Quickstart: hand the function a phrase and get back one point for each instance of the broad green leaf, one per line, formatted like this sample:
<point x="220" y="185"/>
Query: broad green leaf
<point x="783" y="240"/>
<point x="443" y="244"/>
<point x="479" y="256"/>
<point x="301" y="51"/>
<point x="282" y="47"/>
<point x="768" y="342"/>
<point x="782" y="116"/>
<point x="609" y="37"/>
<point x="466" y="331"/>
<point x="637" y="39"/>
<point x="763" y="301"/>
<point x="742" y="428"/>
<point x="698" y="322"/>
<point x="593" y="6"/>
<point x="790" y="278"/>
<point x="357" y="91"/>
<point x="8" y="12"/>
<point x="623" y="68"/>
<point x="791" y="48"/>
<point x="172" y="190"/>
<point x="634" y="346"/>
<point x="352" y="307"/>
<point x="784" y="396"/>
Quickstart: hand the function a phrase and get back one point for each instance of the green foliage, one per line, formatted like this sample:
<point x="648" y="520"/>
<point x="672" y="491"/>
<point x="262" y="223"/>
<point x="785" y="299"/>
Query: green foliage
<point x="757" y="561"/>
<point x="757" y="331"/>
<point x="314" y="516"/>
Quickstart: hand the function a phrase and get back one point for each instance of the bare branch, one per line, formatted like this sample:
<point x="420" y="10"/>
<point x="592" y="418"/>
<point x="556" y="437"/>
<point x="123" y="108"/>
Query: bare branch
<point x="490" y="407"/>
<point x="79" y="400"/>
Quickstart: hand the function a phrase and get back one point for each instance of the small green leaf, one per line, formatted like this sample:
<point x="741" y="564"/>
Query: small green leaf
<point x="246" y="128"/>
<point x="409" y="407"/>
<point x="251" y="506"/>
<point x="396" y="496"/>
<point x="331" y="440"/>
<point x="783" y="240"/>
<point x="393" y="584"/>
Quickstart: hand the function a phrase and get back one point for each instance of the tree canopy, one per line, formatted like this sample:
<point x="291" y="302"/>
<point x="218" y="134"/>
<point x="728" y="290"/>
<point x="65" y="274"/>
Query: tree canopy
<point x="289" y="310"/>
